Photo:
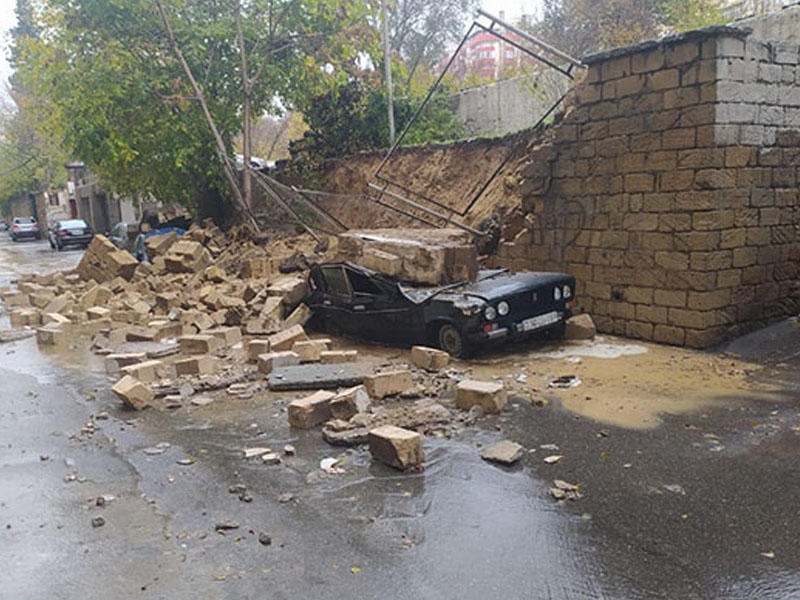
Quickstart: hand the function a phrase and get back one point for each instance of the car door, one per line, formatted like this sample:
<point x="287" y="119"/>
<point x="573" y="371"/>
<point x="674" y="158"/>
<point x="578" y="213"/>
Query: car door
<point x="382" y="311"/>
<point x="332" y="300"/>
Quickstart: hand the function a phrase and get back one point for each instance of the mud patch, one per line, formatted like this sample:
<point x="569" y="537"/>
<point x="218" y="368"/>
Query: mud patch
<point x="627" y="385"/>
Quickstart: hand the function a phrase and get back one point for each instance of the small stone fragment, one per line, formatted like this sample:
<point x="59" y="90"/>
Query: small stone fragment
<point x="505" y="452"/>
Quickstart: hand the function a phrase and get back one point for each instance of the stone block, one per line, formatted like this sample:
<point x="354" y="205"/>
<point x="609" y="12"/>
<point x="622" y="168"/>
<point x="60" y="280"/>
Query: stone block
<point x="96" y="313"/>
<point x="270" y="361"/>
<point x="580" y="327"/>
<point x="255" y="268"/>
<point x="159" y="245"/>
<point x="430" y="359"/>
<point x="115" y="362"/>
<point x="133" y="392"/>
<point x="138" y="333"/>
<point x="284" y="340"/>
<point x="396" y="447"/>
<point x="489" y="395"/>
<point x="389" y="383"/>
<point x="338" y="356"/>
<point x="56" y="318"/>
<point x="291" y="289"/>
<point x="103" y="261"/>
<point x="310" y="411"/>
<point x="12" y="299"/>
<point x="197" y="365"/>
<point x="382" y="262"/>
<point x="52" y="335"/>
<point x="60" y="304"/>
<point x="299" y="316"/>
<point x="25" y="317"/>
<point x="255" y="348"/>
<point x="432" y="256"/>
<point x="166" y="329"/>
<point x="144" y="371"/>
<point x="97" y="295"/>
<point x="41" y="299"/>
<point x="228" y="335"/>
<point x="199" y="344"/>
<point x="349" y="402"/>
<point x="311" y="350"/>
<point x="269" y="320"/>
<point x="186" y="256"/>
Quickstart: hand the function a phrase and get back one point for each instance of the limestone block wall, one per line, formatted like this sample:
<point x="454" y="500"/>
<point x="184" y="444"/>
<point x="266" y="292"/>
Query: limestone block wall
<point x="669" y="189"/>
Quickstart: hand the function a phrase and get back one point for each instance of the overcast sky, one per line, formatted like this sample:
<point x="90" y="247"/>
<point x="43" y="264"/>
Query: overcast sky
<point x="511" y="9"/>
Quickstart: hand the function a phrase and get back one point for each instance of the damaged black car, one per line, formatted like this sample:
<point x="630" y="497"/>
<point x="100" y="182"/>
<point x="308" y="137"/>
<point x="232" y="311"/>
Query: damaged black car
<point x="460" y="318"/>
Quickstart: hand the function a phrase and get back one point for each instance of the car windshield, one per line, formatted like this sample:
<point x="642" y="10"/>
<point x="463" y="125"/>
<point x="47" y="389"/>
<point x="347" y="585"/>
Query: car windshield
<point x="73" y="224"/>
<point x="24" y="220"/>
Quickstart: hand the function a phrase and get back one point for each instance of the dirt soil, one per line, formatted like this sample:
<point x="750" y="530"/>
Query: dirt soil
<point x="444" y="174"/>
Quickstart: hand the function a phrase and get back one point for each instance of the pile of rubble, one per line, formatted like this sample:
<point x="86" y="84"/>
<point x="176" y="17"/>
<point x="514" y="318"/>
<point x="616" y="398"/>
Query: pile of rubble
<point x="210" y="312"/>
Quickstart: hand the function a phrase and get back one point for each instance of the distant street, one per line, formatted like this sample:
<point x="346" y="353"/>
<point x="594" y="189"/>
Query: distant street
<point x="680" y="497"/>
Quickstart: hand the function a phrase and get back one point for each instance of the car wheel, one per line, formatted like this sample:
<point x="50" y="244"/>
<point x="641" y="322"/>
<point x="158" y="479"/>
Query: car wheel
<point x="452" y="341"/>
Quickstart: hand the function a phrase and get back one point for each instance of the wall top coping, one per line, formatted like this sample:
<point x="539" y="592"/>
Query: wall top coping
<point x="666" y="42"/>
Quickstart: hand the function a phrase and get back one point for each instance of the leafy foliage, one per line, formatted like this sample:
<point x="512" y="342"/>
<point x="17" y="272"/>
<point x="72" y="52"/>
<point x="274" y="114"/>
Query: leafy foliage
<point x="352" y="118"/>
<point x="423" y="32"/>
<point x="111" y="86"/>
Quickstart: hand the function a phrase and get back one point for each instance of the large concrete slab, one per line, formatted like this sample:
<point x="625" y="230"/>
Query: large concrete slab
<point x="314" y="377"/>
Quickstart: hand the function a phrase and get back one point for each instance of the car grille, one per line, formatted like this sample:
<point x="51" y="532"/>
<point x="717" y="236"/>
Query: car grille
<point x="524" y="304"/>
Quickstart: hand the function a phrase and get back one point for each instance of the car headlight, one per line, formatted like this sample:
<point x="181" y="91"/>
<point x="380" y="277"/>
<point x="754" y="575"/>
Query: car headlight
<point x="502" y="309"/>
<point x="557" y="293"/>
<point x="567" y="292"/>
<point x="490" y="313"/>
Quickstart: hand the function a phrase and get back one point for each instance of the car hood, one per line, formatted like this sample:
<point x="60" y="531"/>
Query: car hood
<point x="503" y="285"/>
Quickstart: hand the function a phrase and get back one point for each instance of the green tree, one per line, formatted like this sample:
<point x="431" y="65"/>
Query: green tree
<point x="352" y="118"/>
<point x="422" y="32"/>
<point x="30" y="154"/>
<point x="108" y="76"/>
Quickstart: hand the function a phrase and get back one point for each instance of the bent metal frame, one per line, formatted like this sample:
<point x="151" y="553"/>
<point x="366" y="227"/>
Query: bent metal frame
<point x="434" y="210"/>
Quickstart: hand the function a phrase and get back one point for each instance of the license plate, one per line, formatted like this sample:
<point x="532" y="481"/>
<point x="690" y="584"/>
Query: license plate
<point x="540" y="321"/>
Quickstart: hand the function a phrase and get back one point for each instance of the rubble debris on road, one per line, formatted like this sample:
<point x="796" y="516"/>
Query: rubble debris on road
<point x="490" y="395"/>
<point x="318" y="376"/>
<point x="565" y="381"/>
<point x="580" y="327"/>
<point x="396" y="447"/>
<point x="430" y="359"/>
<point x="505" y="452"/>
<point x="12" y="335"/>
<point x="563" y="490"/>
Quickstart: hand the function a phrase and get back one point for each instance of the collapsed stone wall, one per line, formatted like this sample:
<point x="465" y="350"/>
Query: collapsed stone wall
<point x="669" y="189"/>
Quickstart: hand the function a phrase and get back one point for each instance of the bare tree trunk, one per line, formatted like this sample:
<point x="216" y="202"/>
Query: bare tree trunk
<point x="247" y="186"/>
<point x="221" y="151"/>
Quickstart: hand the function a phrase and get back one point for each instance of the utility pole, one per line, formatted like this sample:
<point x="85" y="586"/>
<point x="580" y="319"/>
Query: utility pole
<point x="387" y="61"/>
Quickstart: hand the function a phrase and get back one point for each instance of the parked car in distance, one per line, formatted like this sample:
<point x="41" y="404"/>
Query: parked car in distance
<point x="24" y="227"/>
<point x="69" y="232"/>
<point x="459" y="318"/>
<point x="3" y="225"/>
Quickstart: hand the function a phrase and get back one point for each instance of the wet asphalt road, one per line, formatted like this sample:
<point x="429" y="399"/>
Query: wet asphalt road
<point x="706" y="505"/>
